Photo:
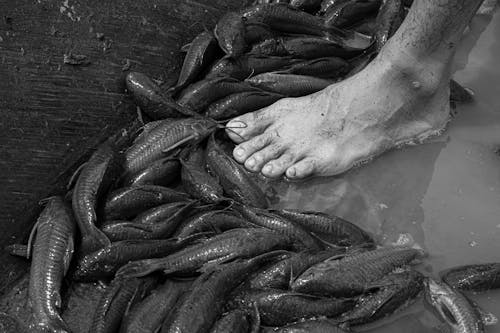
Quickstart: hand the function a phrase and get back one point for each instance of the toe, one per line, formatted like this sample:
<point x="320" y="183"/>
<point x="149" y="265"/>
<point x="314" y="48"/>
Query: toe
<point x="248" y="125"/>
<point x="301" y="169"/>
<point x="277" y="167"/>
<point x="261" y="157"/>
<point x="244" y="150"/>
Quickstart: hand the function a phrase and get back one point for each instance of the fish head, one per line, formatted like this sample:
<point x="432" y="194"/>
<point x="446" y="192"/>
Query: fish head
<point x="440" y="296"/>
<point x="230" y="32"/>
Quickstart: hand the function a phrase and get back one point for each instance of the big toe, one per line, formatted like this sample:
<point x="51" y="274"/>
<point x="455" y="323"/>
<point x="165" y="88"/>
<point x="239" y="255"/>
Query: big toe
<point x="247" y="126"/>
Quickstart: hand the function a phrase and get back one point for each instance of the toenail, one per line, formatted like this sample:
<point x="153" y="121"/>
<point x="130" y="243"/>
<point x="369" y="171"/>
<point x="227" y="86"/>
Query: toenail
<point x="267" y="169"/>
<point x="236" y="124"/>
<point x="291" y="172"/>
<point x="250" y="162"/>
<point x="239" y="152"/>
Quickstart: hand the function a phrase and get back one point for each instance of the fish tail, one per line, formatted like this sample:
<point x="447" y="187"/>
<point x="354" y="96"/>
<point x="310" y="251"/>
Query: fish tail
<point x="139" y="268"/>
<point x="94" y="240"/>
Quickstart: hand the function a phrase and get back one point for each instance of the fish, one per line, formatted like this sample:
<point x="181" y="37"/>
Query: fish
<point x="278" y="275"/>
<point x="303" y="239"/>
<point x="395" y="291"/>
<point x="327" y="4"/>
<point x="478" y="277"/>
<point x="310" y="47"/>
<point x="289" y="85"/>
<point x="236" y="321"/>
<point x="197" y="181"/>
<point x="117" y="298"/>
<point x="104" y="263"/>
<point x="255" y="33"/>
<point x="273" y="46"/>
<point x="309" y="6"/>
<point x="453" y="307"/>
<point x="389" y="18"/>
<point x="96" y="176"/>
<point x="241" y="103"/>
<point x="161" y="138"/>
<point x="201" y="94"/>
<point x="221" y="220"/>
<point x="152" y="100"/>
<point x="353" y="275"/>
<point x="229" y="245"/>
<point x="161" y="213"/>
<point x="53" y="248"/>
<point x="198" y="311"/>
<point x="18" y="250"/>
<point x="327" y="68"/>
<point x="161" y="172"/>
<point x="347" y="13"/>
<point x="119" y="230"/>
<point x="230" y="33"/>
<point x="281" y="307"/>
<point x="203" y="51"/>
<point x="308" y="326"/>
<point x="127" y="202"/>
<point x="148" y="315"/>
<point x="334" y="228"/>
<point x="367" y="27"/>
<point x="235" y="180"/>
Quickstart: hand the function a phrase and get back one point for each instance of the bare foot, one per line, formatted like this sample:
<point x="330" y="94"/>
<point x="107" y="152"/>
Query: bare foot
<point x="389" y="103"/>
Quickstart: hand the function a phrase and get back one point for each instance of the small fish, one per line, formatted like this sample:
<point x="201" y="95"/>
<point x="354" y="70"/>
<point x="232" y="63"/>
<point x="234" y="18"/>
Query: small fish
<point x="52" y="251"/>
<point x="148" y="315"/>
<point x="230" y="33"/>
<point x="389" y="18"/>
<point x="201" y="94"/>
<point x="152" y="100"/>
<point x="198" y="311"/>
<point x="308" y="326"/>
<point x="327" y="68"/>
<point x="453" y="307"/>
<point x="160" y="213"/>
<point x="162" y="172"/>
<point x="354" y="274"/>
<point x="127" y="202"/>
<point x="309" y="6"/>
<point x="290" y="85"/>
<point x="18" y="250"/>
<point x="164" y="136"/>
<point x="241" y="103"/>
<point x="395" y="290"/>
<point x="235" y="321"/>
<point x="118" y="230"/>
<point x="96" y="176"/>
<point x="479" y="277"/>
<point x="197" y="181"/>
<point x="202" y="52"/>
<point x="104" y="263"/>
<point x="231" y="244"/>
<point x="334" y="228"/>
<point x="235" y="180"/>
<point x="316" y="47"/>
<point x="347" y="13"/>
<point x="281" y="307"/>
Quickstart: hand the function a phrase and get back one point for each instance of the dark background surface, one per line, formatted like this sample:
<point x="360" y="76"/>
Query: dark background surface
<point x="54" y="114"/>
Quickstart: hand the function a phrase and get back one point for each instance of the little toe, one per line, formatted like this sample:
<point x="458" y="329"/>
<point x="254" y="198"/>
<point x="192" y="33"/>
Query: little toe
<point x="301" y="169"/>
<point x="277" y="167"/>
<point x="244" y="150"/>
<point x="261" y="157"/>
<point x="245" y="127"/>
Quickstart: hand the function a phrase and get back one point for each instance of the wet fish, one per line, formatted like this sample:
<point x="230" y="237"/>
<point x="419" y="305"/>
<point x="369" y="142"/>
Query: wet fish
<point x="148" y="315"/>
<point x="18" y="250"/>
<point x="328" y="68"/>
<point x="211" y="221"/>
<point x="231" y="244"/>
<point x="309" y="6"/>
<point x="270" y="47"/>
<point x="389" y="18"/>
<point x="479" y="277"/>
<point x="162" y="172"/>
<point x="280" y="307"/>
<point x="162" y="137"/>
<point x="230" y="33"/>
<point x="235" y="321"/>
<point x="160" y="213"/>
<point x="104" y="263"/>
<point x="201" y="94"/>
<point x="290" y="85"/>
<point x="203" y="51"/>
<point x="96" y="176"/>
<point x="453" y="307"/>
<point x="354" y="274"/>
<point x="310" y="47"/>
<point x="395" y="290"/>
<point x="327" y="4"/>
<point x="129" y="201"/>
<point x="307" y="326"/>
<point x="152" y="100"/>
<point x="347" y="13"/>
<point x="197" y="181"/>
<point x="241" y="103"/>
<point x="367" y="26"/>
<point x="116" y="300"/>
<point x="303" y="239"/>
<point x="118" y="230"/>
<point x="258" y="32"/>
<point x="198" y="311"/>
<point x="235" y="180"/>
<point x="52" y="251"/>
<point x="333" y="228"/>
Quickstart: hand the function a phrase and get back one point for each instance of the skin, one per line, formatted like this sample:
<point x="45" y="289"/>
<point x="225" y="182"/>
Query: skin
<point x="401" y="97"/>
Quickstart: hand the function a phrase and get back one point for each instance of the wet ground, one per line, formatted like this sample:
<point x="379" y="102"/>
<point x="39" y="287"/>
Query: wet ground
<point x="445" y="194"/>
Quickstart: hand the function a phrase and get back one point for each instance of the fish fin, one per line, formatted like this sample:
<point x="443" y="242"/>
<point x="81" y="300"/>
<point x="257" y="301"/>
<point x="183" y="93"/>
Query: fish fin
<point x="324" y="242"/>
<point x="214" y="264"/>
<point x="140" y="116"/>
<point x="179" y="143"/>
<point x="185" y="47"/>
<point x="31" y="239"/>
<point x="75" y="175"/>
<point x="139" y="268"/>
<point x="70" y="248"/>
<point x="19" y="250"/>
<point x="94" y="241"/>
<point x="486" y="317"/>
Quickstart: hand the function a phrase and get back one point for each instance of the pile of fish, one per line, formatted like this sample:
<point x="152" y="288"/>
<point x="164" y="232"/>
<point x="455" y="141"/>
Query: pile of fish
<point x="184" y="238"/>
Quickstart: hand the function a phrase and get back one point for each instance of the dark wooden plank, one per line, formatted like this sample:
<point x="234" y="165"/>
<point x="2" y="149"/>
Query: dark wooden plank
<point x="53" y="113"/>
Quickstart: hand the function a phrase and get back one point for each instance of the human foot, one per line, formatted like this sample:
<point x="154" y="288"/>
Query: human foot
<point x="328" y="132"/>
